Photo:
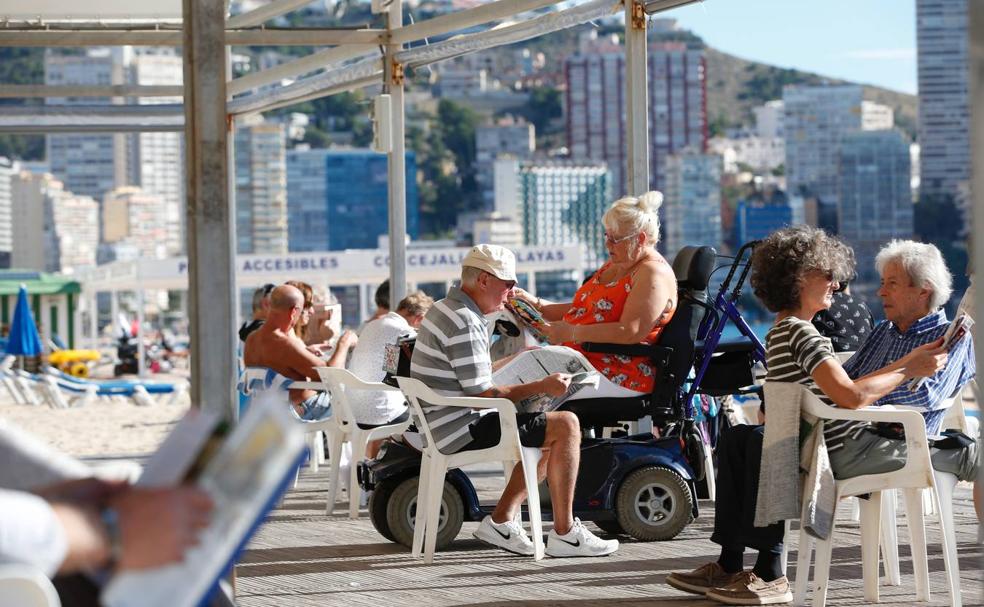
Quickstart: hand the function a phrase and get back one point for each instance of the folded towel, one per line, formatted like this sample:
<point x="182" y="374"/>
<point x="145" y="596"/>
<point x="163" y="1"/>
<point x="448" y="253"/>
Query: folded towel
<point x="819" y="494"/>
<point x="779" y="482"/>
<point x="793" y="448"/>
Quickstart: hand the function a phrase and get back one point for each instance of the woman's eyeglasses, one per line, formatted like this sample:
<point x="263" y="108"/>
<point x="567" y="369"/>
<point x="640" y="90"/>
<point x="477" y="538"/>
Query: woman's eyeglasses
<point x="612" y="241"/>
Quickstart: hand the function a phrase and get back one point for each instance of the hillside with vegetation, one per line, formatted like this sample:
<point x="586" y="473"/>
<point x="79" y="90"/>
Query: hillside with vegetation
<point x="736" y="85"/>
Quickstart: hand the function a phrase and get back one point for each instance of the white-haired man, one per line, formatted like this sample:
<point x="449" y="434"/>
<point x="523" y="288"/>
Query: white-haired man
<point x="452" y="356"/>
<point x="915" y="284"/>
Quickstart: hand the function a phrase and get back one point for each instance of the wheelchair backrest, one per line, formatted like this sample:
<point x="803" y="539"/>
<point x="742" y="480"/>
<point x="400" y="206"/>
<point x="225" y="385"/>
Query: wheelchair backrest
<point x="692" y="267"/>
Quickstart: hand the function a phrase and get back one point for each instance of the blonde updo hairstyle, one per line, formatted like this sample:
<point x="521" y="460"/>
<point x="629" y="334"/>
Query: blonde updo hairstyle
<point x="632" y="215"/>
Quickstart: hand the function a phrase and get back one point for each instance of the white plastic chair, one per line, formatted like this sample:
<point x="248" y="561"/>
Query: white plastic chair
<point x="915" y="475"/>
<point x="435" y="464"/>
<point x="256" y="383"/>
<point x="25" y="586"/>
<point x="10" y="381"/>
<point x="339" y="382"/>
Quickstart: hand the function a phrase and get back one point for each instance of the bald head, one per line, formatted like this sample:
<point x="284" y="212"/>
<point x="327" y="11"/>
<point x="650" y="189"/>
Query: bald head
<point x="285" y="298"/>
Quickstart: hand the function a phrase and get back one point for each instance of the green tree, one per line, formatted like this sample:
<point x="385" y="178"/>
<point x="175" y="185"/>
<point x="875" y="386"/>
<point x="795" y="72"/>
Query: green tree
<point x="21" y="66"/>
<point x="446" y="167"/>
<point x="543" y="107"/>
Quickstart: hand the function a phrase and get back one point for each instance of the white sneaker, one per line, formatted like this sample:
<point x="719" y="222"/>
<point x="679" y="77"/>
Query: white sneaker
<point x="578" y="542"/>
<point x="509" y="535"/>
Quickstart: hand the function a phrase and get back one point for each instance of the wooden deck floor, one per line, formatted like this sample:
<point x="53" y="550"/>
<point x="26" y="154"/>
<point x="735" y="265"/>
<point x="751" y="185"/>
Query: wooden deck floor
<point x="302" y="557"/>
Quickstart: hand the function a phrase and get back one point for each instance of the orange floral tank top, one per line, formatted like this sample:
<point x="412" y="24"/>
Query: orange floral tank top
<point x="597" y="302"/>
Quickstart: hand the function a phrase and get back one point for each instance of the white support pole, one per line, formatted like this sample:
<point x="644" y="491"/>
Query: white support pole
<point x="291" y="69"/>
<point x="636" y="110"/>
<point x="459" y="20"/>
<point x="114" y="313"/>
<point x="16" y="91"/>
<point x="264" y="13"/>
<point x="531" y="282"/>
<point x="364" y="298"/>
<point x="141" y="349"/>
<point x="93" y="304"/>
<point x="393" y="74"/>
<point x="975" y="59"/>
<point x="211" y="228"/>
<point x="158" y="37"/>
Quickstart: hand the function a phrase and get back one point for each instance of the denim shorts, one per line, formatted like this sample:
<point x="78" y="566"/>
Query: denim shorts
<point x="316" y="408"/>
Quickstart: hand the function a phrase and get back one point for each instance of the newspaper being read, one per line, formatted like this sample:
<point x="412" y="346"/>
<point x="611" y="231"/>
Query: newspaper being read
<point x="954" y="333"/>
<point x="534" y="365"/>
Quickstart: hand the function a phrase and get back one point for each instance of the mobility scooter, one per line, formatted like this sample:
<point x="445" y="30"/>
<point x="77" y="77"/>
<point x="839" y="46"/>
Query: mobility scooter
<point x="639" y="485"/>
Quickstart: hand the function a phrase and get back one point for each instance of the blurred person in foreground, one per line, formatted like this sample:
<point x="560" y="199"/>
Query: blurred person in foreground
<point x="69" y="526"/>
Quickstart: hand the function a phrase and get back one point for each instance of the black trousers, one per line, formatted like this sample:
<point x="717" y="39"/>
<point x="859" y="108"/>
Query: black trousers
<point x="739" y="458"/>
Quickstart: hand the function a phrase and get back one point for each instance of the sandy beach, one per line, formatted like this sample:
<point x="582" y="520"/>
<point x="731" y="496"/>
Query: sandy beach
<point x="103" y="429"/>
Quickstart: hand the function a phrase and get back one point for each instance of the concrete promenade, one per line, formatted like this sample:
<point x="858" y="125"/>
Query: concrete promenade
<point x="302" y="557"/>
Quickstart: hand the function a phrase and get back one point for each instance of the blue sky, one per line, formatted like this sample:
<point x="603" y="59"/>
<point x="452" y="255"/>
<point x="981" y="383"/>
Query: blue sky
<point x="867" y="41"/>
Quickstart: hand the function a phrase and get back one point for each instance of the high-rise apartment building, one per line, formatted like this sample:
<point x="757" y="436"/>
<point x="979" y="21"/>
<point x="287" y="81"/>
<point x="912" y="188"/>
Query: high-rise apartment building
<point x="157" y="161"/>
<point x="691" y="212"/>
<point x="53" y="229"/>
<point x="595" y="102"/>
<point x="562" y="204"/>
<point x="92" y="164"/>
<point x="261" y="188"/>
<point x="944" y="110"/>
<point x="816" y="119"/>
<point x="769" y="119"/>
<point x="875" y="198"/>
<point x="7" y="171"/>
<point x="89" y="164"/>
<point x="339" y="198"/>
<point x="135" y="218"/>
<point x="763" y="213"/>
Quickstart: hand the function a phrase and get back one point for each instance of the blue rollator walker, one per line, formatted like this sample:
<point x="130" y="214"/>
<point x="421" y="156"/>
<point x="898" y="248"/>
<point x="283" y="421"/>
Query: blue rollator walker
<point x="732" y="361"/>
<point x="639" y="485"/>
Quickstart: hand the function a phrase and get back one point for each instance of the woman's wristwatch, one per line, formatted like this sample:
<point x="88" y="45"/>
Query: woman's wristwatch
<point x="111" y="523"/>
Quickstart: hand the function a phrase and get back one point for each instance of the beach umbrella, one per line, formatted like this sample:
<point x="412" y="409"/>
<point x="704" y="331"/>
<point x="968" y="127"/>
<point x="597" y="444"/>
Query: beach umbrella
<point x="23" y="339"/>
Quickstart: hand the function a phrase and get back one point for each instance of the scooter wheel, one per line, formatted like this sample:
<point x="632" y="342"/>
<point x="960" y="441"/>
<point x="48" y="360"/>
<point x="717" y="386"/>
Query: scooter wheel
<point x="654" y="503"/>
<point x="379" y="500"/>
<point x="401" y="513"/>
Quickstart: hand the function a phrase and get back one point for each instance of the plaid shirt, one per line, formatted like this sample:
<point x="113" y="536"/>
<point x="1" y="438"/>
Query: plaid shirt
<point x="886" y="345"/>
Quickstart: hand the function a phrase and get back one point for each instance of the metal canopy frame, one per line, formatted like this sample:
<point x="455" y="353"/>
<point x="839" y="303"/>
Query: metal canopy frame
<point x="347" y="59"/>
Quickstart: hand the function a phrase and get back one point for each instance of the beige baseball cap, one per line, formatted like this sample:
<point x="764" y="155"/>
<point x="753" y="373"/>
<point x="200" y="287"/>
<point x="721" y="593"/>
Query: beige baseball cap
<point x="497" y="261"/>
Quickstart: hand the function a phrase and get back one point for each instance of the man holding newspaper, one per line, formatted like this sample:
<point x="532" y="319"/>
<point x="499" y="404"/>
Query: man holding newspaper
<point x="452" y="356"/>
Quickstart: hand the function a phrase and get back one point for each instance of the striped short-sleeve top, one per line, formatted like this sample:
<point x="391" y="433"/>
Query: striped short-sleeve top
<point x="452" y="358"/>
<point x="793" y="350"/>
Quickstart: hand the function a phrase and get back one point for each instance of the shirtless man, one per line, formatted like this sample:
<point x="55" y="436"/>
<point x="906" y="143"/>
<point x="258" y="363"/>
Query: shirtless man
<point x="276" y="347"/>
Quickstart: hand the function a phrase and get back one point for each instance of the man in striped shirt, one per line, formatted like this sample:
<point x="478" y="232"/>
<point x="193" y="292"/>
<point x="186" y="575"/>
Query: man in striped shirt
<point x="452" y="357"/>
